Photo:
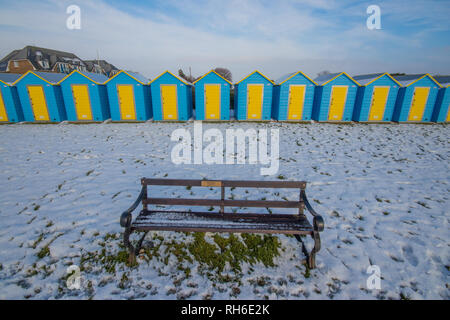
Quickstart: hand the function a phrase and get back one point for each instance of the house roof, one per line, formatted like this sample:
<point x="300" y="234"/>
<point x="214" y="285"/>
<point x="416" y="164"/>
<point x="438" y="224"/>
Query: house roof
<point x="9" y="78"/>
<point x="209" y="73"/>
<point x="105" y="65"/>
<point x="288" y="76"/>
<point x="365" y="79"/>
<point x="256" y="71"/>
<point x="324" y="79"/>
<point x="32" y="53"/>
<point x="98" y="78"/>
<point x="409" y="79"/>
<point x="443" y="80"/>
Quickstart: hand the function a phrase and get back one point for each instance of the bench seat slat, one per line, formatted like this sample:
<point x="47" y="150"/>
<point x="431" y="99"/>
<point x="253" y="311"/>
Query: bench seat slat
<point x="179" y="221"/>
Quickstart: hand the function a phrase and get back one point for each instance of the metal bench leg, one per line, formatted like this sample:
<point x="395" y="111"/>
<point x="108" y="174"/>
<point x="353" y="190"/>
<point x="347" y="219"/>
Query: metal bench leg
<point x="310" y="256"/>
<point x="133" y="252"/>
<point x="131" y="249"/>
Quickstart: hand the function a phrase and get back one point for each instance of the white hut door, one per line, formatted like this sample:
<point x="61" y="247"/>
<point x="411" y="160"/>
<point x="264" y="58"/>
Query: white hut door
<point x="3" y="114"/>
<point x="82" y="102"/>
<point x="296" y="102"/>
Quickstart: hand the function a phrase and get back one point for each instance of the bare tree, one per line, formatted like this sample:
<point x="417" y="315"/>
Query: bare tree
<point x="188" y="78"/>
<point x="323" y="73"/>
<point x="224" y="72"/>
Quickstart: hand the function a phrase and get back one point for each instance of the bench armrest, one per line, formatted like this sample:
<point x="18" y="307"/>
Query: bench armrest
<point x="318" y="222"/>
<point x="125" y="218"/>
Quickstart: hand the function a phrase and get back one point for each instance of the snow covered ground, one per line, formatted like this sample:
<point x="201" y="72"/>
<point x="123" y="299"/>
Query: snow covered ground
<point x="383" y="191"/>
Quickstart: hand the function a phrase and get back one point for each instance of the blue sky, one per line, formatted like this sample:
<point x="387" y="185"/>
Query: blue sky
<point x="275" y="37"/>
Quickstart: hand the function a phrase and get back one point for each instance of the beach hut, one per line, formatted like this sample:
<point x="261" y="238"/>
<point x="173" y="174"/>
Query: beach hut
<point x="335" y="96"/>
<point x="129" y="97"/>
<point x="10" y="108"/>
<point x="441" y="111"/>
<point x="416" y="98"/>
<point x="85" y="96"/>
<point x="41" y="97"/>
<point x="253" y="97"/>
<point x="171" y="98"/>
<point x="293" y="96"/>
<point x="375" y="100"/>
<point x="212" y="97"/>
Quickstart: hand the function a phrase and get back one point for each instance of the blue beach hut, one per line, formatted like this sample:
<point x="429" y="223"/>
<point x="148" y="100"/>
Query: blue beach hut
<point x="416" y="98"/>
<point x="85" y="96"/>
<point x="212" y="97"/>
<point x="441" y="111"/>
<point x="129" y="97"/>
<point x="293" y="97"/>
<point x="171" y="98"/>
<point x="375" y="100"/>
<point x="10" y="108"/>
<point x="335" y="96"/>
<point x="41" y="96"/>
<point x="253" y="97"/>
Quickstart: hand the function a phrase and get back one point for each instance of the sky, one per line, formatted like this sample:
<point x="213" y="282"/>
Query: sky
<point x="274" y="37"/>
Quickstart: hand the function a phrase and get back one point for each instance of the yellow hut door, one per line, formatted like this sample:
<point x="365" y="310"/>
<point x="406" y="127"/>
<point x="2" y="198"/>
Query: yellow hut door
<point x="255" y="93"/>
<point x="125" y="94"/>
<point x="378" y="105"/>
<point x="448" y="114"/>
<point x="419" y="100"/>
<point x="82" y="102"/>
<point x="212" y="101"/>
<point x="3" y="114"/>
<point x="169" y="102"/>
<point x="296" y="102"/>
<point x="38" y="103"/>
<point x="337" y="103"/>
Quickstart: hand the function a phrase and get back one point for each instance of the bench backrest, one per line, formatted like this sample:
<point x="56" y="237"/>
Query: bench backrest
<point x="222" y="202"/>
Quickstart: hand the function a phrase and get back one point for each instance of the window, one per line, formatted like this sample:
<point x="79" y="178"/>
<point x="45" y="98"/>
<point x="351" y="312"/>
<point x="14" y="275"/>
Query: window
<point x="16" y="64"/>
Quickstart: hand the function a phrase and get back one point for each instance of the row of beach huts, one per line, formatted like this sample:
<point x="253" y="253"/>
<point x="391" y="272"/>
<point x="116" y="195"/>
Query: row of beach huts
<point x="127" y="96"/>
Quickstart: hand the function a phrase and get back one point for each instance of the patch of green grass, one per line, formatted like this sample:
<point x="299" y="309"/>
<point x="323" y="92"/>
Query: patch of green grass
<point x="45" y="251"/>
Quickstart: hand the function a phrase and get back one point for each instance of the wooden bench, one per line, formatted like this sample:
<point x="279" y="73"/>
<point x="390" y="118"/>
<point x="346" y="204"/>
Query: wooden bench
<point x="221" y="221"/>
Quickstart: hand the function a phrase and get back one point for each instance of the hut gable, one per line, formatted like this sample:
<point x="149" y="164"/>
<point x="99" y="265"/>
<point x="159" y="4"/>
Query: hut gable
<point x="376" y="97"/>
<point x="335" y="97"/>
<point x="85" y="96"/>
<point x="416" y="99"/>
<point x="48" y="104"/>
<point x="179" y="98"/>
<point x="293" y="96"/>
<point x="260" y="109"/>
<point x="212" y="97"/>
<point x="129" y="97"/>
<point x="10" y="107"/>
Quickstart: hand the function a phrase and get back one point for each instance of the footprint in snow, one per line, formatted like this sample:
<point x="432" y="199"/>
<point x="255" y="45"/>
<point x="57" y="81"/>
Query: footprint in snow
<point x="408" y="252"/>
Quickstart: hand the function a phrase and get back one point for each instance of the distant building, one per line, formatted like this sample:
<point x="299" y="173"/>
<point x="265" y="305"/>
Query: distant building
<point x="32" y="58"/>
<point x="101" y="66"/>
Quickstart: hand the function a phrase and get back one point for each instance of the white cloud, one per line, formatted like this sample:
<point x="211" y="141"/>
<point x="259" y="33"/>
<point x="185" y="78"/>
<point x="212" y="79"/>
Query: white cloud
<point x="273" y="37"/>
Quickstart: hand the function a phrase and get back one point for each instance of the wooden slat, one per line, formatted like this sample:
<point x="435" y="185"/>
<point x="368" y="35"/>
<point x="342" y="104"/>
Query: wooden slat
<point x="227" y="203"/>
<point x="226" y="183"/>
